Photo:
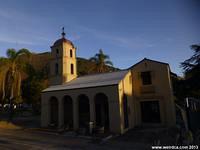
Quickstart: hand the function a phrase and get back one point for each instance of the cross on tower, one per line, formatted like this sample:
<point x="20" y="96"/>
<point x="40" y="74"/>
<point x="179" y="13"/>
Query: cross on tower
<point x="63" y="32"/>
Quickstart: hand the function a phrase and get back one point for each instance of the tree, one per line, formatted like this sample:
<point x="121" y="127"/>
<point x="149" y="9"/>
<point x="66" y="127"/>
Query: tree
<point x="11" y="69"/>
<point x="33" y="85"/>
<point x="194" y="61"/>
<point x="101" y="61"/>
<point x="191" y="67"/>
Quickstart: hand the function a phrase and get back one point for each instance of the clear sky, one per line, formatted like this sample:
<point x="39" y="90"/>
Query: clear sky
<point x="127" y="30"/>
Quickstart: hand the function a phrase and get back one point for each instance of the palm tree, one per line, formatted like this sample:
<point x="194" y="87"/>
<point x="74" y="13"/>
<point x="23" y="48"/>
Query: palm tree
<point x="11" y="69"/>
<point x="101" y="61"/>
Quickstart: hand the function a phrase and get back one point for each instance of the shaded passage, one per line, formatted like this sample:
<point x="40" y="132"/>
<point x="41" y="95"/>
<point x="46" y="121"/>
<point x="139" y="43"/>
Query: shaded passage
<point x="84" y="111"/>
<point x="54" y="111"/>
<point x="68" y="112"/>
<point x="102" y="111"/>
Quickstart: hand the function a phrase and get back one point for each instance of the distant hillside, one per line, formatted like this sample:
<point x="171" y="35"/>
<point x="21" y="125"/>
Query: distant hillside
<point x="84" y="66"/>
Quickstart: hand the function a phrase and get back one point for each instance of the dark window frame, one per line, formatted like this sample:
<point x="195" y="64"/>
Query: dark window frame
<point x="57" y="51"/>
<point x="146" y="77"/>
<point x="71" y="53"/>
<point x="56" y="69"/>
<point x="72" y="68"/>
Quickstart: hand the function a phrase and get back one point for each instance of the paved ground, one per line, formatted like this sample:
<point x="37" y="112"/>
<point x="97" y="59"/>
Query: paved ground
<point x="37" y="140"/>
<point x="30" y="138"/>
<point x="26" y="139"/>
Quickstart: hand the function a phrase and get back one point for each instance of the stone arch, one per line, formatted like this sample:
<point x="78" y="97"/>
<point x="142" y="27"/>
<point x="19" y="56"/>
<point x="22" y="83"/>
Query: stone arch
<point x="53" y="111"/>
<point x="68" y="111"/>
<point x="102" y="111"/>
<point x="83" y="110"/>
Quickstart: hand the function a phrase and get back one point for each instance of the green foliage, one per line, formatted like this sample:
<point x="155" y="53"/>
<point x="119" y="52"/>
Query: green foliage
<point x="33" y="85"/>
<point x="83" y="66"/>
<point x="102" y="61"/>
<point x="18" y="100"/>
<point x="193" y="62"/>
<point x="11" y="69"/>
<point x="31" y="89"/>
<point x="190" y="85"/>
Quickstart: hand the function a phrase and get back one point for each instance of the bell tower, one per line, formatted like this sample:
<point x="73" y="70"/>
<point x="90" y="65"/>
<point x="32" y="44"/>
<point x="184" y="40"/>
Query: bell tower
<point x="63" y="61"/>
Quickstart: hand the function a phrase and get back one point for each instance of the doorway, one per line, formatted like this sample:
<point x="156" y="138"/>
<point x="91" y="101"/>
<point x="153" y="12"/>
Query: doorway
<point x="84" y="111"/>
<point x="68" y="112"/>
<point x="125" y="108"/>
<point x="53" y="112"/>
<point x="150" y="111"/>
<point x="102" y="111"/>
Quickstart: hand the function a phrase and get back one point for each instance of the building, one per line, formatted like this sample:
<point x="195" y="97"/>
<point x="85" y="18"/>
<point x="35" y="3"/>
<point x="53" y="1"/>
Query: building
<point x="115" y="101"/>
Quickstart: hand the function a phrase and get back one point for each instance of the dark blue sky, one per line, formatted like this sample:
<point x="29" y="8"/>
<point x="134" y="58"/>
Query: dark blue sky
<point x="127" y="30"/>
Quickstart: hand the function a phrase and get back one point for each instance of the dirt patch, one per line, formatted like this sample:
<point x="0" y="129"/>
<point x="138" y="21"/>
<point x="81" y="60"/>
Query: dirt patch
<point x="8" y="125"/>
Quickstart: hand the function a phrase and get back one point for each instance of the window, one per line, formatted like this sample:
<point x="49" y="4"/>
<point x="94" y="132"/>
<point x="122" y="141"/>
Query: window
<point x="146" y="78"/>
<point x="72" y="69"/>
<point x="71" y="53"/>
<point x="56" y="68"/>
<point x="57" y="51"/>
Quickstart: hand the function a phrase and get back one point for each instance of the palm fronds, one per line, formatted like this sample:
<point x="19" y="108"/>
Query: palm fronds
<point x="10" y="73"/>
<point x="101" y="60"/>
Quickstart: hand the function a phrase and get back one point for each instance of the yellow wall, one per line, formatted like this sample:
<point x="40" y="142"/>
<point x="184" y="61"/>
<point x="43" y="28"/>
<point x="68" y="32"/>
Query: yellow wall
<point x="161" y="90"/>
<point x="125" y="87"/>
<point x="113" y="101"/>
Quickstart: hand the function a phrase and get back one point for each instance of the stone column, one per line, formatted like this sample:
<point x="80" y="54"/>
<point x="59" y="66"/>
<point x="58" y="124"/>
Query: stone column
<point x="92" y="109"/>
<point x="92" y="114"/>
<point x="60" y="113"/>
<point x="45" y="116"/>
<point x="75" y="113"/>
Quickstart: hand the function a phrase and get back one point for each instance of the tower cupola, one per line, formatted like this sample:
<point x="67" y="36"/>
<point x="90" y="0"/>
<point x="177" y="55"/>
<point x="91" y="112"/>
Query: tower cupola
<point x="63" y="63"/>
